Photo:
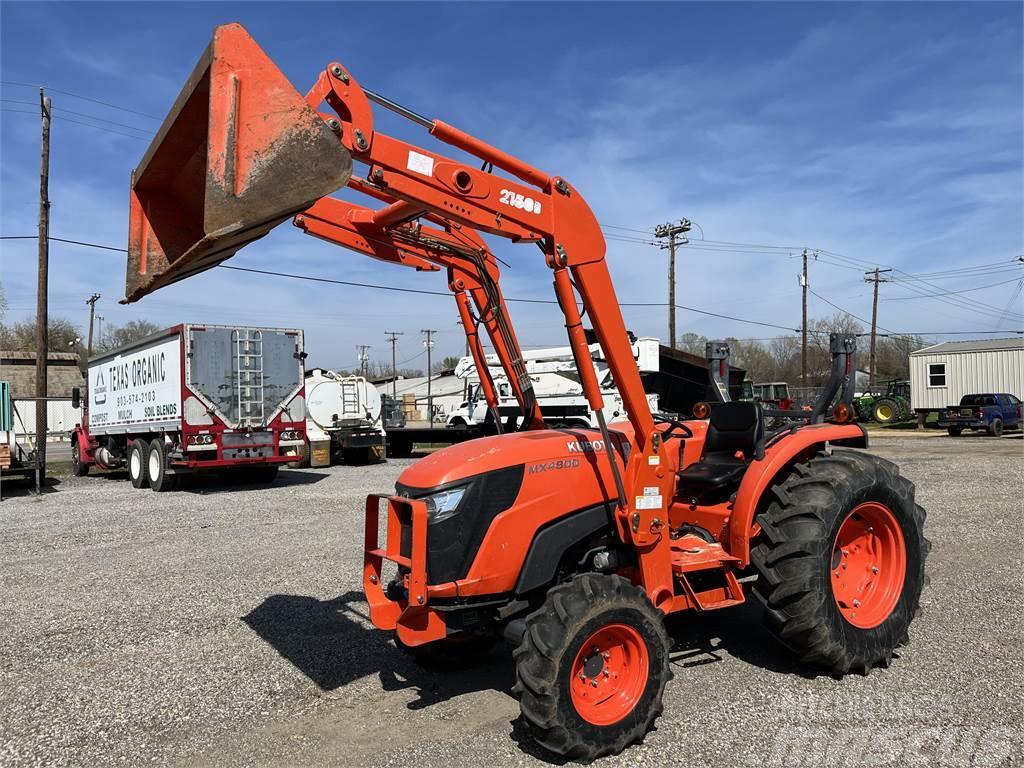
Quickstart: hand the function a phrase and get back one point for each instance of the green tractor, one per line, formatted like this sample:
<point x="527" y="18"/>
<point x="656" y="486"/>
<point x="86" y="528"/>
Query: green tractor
<point x="886" y="403"/>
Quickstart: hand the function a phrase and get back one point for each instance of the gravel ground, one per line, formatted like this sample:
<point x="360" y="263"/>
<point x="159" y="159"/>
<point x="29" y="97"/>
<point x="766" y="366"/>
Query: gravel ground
<point x="224" y="625"/>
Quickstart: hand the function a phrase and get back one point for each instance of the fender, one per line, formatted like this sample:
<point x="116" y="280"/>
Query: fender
<point x="761" y="474"/>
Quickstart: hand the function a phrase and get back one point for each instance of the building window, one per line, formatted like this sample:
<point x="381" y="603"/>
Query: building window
<point x="936" y="374"/>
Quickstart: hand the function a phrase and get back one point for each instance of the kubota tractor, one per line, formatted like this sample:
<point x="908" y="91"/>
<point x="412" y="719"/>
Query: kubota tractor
<point x="574" y="544"/>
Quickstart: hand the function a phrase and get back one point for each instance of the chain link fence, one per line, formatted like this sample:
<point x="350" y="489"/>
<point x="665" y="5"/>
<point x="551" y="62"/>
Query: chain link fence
<point x="61" y="418"/>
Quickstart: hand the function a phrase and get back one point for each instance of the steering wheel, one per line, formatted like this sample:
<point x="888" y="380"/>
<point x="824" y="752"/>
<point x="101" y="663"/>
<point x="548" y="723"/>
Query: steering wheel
<point x="673" y="424"/>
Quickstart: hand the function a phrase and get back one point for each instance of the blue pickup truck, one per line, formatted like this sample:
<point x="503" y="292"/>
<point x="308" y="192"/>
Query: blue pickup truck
<point x="990" y="412"/>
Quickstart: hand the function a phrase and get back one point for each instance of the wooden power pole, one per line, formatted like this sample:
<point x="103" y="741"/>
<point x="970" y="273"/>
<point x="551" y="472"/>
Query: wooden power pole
<point x="42" y="293"/>
<point x="671" y="231"/>
<point x="364" y="358"/>
<point x="874" y="276"/>
<point x="429" y="344"/>
<point x="91" y="301"/>
<point x="393" y="339"/>
<point x="803" y="326"/>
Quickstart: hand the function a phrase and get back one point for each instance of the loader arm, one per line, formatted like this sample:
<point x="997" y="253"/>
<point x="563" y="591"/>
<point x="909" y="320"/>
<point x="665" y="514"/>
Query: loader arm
<point x="238" y="125"/>
<point x="472" y="269"/>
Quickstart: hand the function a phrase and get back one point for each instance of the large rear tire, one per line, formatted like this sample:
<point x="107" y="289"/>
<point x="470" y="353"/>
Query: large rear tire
<point x="156" y="467"/>
<point x="996" y="428"/>
<point x="840" y="561"/>
<point x="885" y="411"/>
<point x="592" y="667"/>
<point x="138" y="450"/>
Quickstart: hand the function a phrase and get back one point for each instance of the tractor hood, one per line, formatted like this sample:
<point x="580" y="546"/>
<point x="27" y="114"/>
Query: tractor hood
<point x="535" y="449"/>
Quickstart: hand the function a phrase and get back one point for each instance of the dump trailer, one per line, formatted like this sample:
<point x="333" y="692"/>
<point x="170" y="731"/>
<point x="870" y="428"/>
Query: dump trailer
<point x="191" y="399"/>
<point x="573" y="544"/>
<point x="345" y="413"/>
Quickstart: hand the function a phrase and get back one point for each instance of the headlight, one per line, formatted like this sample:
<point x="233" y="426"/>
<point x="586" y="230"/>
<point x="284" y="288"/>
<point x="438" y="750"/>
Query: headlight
<point x="441" y="506"/>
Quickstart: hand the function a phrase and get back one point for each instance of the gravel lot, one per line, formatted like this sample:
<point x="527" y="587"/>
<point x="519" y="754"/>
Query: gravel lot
<point x="224" y="625"/>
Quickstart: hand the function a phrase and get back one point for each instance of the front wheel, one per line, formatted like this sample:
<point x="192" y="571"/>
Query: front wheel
<point x="78" y="467"/>
<point x="841" y="561"/>
<point x="592" y="667"/>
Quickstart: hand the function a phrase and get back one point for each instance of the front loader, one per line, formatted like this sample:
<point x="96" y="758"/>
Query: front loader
<point x="574" y="544"/>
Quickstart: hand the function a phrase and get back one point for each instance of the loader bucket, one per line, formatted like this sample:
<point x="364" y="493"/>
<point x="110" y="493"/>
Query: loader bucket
<point x="239" y="153"/>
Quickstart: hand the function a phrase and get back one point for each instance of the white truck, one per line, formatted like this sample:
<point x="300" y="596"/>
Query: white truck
<point x="343" y="418"/>
<point x="556" y="384"/>
<point x="194" y="398"/>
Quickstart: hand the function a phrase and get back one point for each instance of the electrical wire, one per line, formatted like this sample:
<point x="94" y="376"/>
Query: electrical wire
<point x="79" y="96"/>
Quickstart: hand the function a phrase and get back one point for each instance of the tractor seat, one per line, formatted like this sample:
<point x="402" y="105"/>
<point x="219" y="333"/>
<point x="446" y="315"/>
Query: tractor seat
<point x="734" y="428"/>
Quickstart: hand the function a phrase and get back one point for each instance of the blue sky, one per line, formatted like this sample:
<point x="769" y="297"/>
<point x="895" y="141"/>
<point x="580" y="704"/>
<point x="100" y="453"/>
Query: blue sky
<point x="886" y="133"/>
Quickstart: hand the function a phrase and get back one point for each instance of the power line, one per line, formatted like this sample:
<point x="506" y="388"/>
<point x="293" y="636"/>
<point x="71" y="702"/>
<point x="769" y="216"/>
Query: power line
<point x="526" y="300"/>
<point x="951" y="293"/>
<point x="78" y="122"/>
<point x="83" y="98"/>
<point x="82" y="114"/>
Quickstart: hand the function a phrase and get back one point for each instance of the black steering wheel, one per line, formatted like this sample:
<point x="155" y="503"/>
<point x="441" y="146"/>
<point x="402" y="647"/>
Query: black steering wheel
<point x="673" y="425"/>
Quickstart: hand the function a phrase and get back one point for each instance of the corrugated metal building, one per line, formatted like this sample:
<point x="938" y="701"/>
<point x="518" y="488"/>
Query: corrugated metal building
<point x="943" y="373"/>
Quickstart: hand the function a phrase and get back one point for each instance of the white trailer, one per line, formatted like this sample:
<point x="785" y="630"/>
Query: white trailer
<point x="943" y="373"/>
<point x="345" y="413"/>
<point x="194" y="398"/>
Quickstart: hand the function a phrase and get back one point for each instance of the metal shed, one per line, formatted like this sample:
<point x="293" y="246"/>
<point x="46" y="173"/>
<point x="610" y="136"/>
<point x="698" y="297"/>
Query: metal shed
<point x="943" y="373"/>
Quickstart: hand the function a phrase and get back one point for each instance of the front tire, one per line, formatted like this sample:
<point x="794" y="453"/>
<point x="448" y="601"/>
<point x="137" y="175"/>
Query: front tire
<point x="138" y="451"/>
<point x="78" y="468"/>
<point x="841" y="561"/>
<point x="156" y="467"/>
<point x="592" y="667"/>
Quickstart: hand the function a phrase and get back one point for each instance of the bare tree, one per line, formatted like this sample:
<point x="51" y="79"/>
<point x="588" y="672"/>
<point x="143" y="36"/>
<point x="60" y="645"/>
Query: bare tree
<point x="63" y="335"/>
<point x="115" y="336"/>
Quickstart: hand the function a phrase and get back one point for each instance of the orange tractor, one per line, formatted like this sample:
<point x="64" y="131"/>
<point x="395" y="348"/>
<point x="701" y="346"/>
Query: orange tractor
<point x="572" y="544"/>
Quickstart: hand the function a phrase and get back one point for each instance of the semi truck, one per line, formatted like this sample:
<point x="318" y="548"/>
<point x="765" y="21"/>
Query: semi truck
<point x="343" y="414"/>
<point x="193" y="399"/>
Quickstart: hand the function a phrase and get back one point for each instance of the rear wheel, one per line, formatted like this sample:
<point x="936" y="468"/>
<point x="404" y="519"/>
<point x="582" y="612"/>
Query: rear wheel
<point x="885" y="411"/>
<point x="996" y="427"/>
<point x="78" y="468"/>
<point x="138" y="452"/>
<point x="592" y="667"/>
<point x="841" y="561"/>
<point x="955" y="431"/>
<point x="156" y="467"/>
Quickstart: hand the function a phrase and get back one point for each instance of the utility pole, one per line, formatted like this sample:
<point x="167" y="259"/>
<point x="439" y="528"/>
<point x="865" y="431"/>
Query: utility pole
<point x="429" y="344"/>
<point x="393" y="339"/>
<point x="874" y="276"/>
<point x="803" y="340"/>
<point x="42" y="293"/>
<point x="91" y="301"/>
<point x="364" y="358"/>
<point x="671" y="231"/>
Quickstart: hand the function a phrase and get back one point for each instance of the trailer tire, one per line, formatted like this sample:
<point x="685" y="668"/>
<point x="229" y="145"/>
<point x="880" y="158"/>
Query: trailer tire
<point x="833" y="521"/>
<point x="156" y="467"/>
<point x="78" y="468"/>
<point x="557" y="667"/>
<point x="996" y="428"/>
<point x="955" y="431"/>
<point x="138" y="453"/>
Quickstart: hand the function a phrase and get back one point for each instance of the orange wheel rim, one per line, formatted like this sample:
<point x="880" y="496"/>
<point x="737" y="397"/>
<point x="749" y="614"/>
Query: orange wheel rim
<point x="869" y="565"/>
<point x="609" y="674"/>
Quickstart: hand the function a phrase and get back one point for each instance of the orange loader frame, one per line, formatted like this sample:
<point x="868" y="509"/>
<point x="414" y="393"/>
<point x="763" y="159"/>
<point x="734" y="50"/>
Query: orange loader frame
<point x="256" y="160"/>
